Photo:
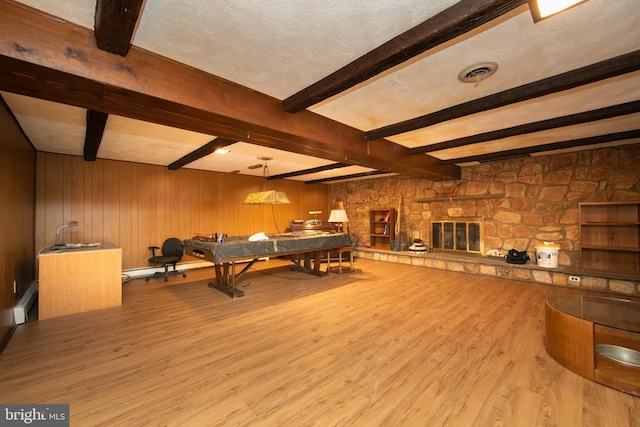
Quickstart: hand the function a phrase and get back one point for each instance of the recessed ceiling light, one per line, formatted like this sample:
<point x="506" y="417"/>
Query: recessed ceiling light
<point x="541" y="9"/>
<point x="221" y="151"/>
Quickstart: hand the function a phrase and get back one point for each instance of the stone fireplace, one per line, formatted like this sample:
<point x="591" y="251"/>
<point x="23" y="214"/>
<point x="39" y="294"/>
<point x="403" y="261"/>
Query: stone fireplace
<point x="523" y="201"/>
<point x="463" y="234"/>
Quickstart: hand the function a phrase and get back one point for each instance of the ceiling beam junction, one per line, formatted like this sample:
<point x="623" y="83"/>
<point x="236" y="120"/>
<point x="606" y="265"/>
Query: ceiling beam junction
<point x="96" y="122"/>
<point x="572" y="119"/>
<point x="115" y="24"/>
<point x="458" y="19"/>
<point x="201" y="152"/>
<point x="608" y="68"/>
<point x="58" y="61"/>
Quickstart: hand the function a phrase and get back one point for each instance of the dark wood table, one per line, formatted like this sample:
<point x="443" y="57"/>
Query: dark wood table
<point x="305" y="250"/>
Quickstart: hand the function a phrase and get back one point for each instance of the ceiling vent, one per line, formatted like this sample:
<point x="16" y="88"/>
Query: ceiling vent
<point x="477" y="72"/>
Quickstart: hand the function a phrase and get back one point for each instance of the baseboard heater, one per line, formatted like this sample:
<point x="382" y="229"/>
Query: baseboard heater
<point x="21" y="310"/>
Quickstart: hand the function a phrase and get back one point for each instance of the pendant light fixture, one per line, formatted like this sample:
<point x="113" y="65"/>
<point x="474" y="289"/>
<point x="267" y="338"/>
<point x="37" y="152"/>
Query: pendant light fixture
<point x="266" y="197"/>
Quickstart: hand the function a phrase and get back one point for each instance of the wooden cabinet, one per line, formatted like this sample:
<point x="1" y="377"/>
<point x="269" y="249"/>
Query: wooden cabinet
<point x="78" y="280"/>
<point x="382" y="225"/>
<point x="596" y="337"/>
<point x="610" y="236"/>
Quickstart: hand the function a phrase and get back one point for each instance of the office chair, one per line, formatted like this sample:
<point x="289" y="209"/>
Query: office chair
<point x="172" y="251"/>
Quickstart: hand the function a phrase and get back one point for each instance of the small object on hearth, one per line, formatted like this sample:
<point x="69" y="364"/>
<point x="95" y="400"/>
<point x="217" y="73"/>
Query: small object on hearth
<point x="418" y="247"/>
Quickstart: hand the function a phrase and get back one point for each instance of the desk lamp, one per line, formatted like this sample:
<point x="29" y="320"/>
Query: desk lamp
<point x="339" y="216"/>
<point x="315" y="220"/>
<point x="69" y="224"/>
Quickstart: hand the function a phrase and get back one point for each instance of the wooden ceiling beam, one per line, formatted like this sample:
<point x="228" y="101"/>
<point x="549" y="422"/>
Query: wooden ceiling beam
<point x="519" y="152"/>
<point x="59" y="61"/>
<point x="341" y="178"/>
<point x="96" y="122"/>
<point x="115" y="23"/>
<point x="608" y="68"/>
<point x="458" y="19"/>
<point x="201" y="152"/>
<point x="557" y="122"/>
<point x="308" y="171"/>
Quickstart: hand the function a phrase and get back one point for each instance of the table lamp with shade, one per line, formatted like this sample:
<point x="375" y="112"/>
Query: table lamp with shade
<point x="339" y="216"/>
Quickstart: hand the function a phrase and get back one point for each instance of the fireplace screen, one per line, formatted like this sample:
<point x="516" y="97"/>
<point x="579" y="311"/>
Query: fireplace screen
<point x="458" y="234"/>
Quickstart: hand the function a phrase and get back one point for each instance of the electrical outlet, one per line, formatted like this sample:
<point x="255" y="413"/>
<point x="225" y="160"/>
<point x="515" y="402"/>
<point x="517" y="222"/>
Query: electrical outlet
<point x="575" y="279"/>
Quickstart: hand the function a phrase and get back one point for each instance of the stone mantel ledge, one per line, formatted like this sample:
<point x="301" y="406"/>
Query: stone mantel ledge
<point x="619" y="284"/>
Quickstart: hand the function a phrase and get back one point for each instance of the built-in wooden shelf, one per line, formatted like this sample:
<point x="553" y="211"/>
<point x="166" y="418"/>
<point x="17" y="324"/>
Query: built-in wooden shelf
<point x="382" y="224"/>
<point x="610" y="236"/>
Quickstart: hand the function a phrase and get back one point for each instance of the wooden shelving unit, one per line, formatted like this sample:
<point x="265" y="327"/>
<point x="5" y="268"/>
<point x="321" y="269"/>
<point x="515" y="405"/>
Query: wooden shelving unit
<point x="610" y="236"/>
<point x="382" y="225"/>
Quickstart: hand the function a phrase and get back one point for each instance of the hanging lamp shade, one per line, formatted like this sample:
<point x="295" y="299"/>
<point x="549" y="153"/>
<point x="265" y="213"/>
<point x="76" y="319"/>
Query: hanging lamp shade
<point x="267" y="197"/>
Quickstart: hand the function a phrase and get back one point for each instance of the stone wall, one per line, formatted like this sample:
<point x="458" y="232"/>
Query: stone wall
<point x="524" y="201"/>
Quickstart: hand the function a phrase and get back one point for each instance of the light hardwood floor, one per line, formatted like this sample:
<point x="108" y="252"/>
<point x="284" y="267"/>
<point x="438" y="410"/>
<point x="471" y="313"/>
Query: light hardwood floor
<point x="388" y="345"/>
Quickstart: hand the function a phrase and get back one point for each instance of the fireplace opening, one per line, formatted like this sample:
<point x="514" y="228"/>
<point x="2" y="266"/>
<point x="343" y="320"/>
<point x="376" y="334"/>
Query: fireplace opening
<point x="464" y="234"/>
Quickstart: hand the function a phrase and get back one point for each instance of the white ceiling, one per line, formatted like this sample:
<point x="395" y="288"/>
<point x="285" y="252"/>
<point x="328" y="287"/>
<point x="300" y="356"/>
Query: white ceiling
<point x="280" y="47"/>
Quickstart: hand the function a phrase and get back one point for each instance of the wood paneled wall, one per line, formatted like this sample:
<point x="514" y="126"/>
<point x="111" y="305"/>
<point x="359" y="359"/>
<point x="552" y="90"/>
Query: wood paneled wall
<point x="136" y="205"/>
<point x="17" y="207"/>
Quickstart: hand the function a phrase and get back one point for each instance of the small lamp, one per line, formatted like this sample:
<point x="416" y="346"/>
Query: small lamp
<point x="69" y="224"/>
<point x="315" y="220"/>
<point x="339" y="216"/>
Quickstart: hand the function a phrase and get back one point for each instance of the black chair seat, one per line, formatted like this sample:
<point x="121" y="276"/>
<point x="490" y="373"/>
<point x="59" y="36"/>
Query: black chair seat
<point x="161" y="259"/>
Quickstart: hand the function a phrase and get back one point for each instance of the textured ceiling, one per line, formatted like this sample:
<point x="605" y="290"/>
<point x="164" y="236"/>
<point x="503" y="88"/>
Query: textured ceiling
<point x="280" y="47"/>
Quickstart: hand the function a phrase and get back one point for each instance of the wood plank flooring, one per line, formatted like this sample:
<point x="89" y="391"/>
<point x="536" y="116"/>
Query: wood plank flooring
<point x="388" y="345"/>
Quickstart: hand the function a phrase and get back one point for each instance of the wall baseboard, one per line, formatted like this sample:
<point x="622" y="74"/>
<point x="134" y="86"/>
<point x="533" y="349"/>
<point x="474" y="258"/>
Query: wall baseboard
<point x="135" y="273"/>
<point x="150" y="271"/>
